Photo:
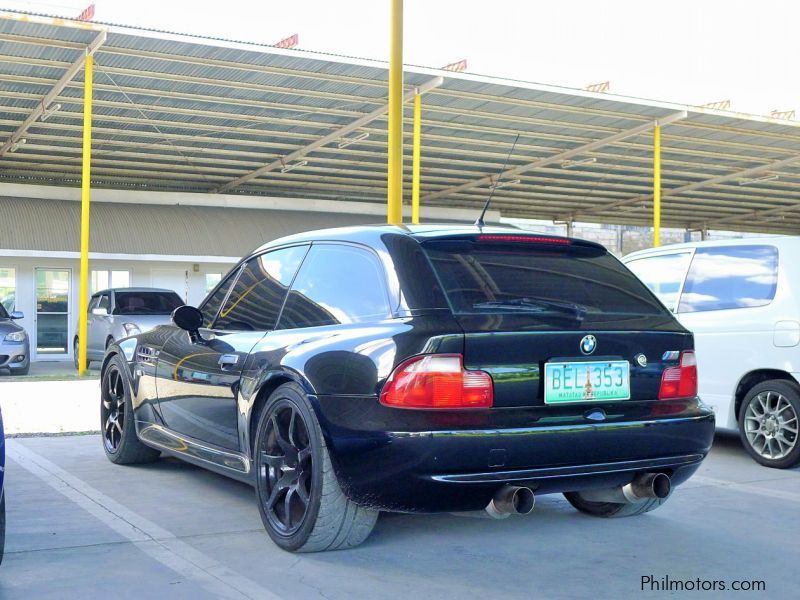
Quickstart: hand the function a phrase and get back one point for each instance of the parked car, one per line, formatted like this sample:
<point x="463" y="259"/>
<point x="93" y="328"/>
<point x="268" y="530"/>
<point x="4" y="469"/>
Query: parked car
<point x="2" y="489"/>
<point x="15" y="350"/>
<point x="421" y="369"/>
<point x="117" y="313"/>
<point x="741" y="300"/>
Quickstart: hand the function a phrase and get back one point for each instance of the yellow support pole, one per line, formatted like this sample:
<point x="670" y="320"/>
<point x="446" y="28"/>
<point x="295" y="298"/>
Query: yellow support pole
<point x="83" y="300"/>
<point x="657" y="186"/>
<point x="416" y="160"/>
<point x="395" y="181"/>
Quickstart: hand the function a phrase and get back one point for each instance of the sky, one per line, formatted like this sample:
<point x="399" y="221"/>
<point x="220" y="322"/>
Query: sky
<point x="690" y="52"/>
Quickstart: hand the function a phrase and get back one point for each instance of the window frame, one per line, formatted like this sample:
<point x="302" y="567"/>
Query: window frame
<point x="724" y="246"/>
<point x="390" y="311"/>
<point x="234" y="276"/>
<point x="110" y="271"/>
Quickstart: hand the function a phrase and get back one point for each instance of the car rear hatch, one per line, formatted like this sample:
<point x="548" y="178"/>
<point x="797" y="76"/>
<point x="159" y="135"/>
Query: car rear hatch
<point x="561" y="325"/>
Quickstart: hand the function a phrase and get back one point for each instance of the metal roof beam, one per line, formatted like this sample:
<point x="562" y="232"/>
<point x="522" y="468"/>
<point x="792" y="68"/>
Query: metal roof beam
<point x="691" y="187"/>
<point x="543" y="162"/>
<point x="48" y="98"/>
<point x="331" y="137"/>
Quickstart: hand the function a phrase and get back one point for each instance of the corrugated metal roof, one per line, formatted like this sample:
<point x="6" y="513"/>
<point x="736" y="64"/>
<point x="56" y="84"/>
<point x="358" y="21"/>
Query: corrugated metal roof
<point x="54" y="226"/>
<point x="175" y="112"/>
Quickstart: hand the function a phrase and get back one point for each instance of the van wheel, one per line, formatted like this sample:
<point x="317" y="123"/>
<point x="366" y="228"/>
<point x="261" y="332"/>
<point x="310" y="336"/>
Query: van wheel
<point x="613" y="509"/>
<point x="768" y="423"/>
<point x="301" y="504"/>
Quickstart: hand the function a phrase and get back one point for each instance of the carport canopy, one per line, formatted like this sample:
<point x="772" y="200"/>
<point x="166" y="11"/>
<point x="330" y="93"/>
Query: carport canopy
<point x="180" y="113"/>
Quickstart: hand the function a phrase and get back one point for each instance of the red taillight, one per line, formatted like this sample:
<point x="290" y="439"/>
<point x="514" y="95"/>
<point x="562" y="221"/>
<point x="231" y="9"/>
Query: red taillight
<point x="525" y="239"/>
<point x="680" y="381"/>
<point x="437" y="381"/>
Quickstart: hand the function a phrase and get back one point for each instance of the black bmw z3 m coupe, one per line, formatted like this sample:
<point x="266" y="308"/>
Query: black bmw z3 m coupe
<point x="418" y="369"/>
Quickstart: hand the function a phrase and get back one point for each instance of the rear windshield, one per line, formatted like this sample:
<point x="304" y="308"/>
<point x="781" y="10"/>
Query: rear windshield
<point x="571" y="284"/>
<point x="146" y="303"/>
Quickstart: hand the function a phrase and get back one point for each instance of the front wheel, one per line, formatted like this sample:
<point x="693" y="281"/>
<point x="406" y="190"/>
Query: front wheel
<point x="117" y="427"/>
<point x="768" y="423"/>
<point x="613" y="509"/>
<point x="301" y="504"/>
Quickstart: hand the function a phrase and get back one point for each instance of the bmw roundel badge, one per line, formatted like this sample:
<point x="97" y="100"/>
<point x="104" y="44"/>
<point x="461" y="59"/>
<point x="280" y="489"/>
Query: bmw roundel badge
<point x="588" y="344"/>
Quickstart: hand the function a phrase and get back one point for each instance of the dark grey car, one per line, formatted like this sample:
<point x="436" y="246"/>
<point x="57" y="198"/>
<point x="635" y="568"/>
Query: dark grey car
<point x="15" y="351"/>
<point x="114" y="314"/>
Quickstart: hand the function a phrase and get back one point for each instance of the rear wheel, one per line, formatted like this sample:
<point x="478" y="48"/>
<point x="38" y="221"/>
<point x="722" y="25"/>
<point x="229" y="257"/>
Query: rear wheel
<point x="613" y="509"/>
<point x="768" y="423"/>
<point x="75" y="348"/>
<point x="301" y="504"/>
<point x="117" y="427"/>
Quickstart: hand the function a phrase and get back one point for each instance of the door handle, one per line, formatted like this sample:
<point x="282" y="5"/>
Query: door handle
<point x="228" y="360"/>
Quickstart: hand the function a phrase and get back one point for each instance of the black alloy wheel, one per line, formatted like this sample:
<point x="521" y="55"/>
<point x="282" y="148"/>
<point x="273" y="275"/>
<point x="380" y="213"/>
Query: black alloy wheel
<point x="117" y="423"/>
<point x="112" y="411"/>
<point x="299" y="499"/>
<point x="285" y="468"/>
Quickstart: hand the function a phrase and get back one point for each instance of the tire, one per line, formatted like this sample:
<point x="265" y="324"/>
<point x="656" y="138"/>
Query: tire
<point x="2" y="528"/>
<point x="75" y="357"/>
<point x="329" y="520"/>
<point x="768" y="423"/>
<point x="120" y="442"/>
<point x="612" y="509"/>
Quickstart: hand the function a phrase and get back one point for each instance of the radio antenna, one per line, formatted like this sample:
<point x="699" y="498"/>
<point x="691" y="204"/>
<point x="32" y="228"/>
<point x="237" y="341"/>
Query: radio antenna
<point x="479" y="222"/>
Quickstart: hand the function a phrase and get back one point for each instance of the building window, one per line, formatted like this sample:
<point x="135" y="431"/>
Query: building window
<point x="8" y="288"/>
<point x="212" y="279"/>
<point x="106" y="278"/>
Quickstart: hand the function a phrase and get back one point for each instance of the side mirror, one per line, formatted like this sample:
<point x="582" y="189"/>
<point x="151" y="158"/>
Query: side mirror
<point x="189" y="319"/>
<point x="17" y="314"/>
<point x="100" y="312"/>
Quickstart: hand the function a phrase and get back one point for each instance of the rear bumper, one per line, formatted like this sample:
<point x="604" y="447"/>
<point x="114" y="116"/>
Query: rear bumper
<point x="461" y="469"/>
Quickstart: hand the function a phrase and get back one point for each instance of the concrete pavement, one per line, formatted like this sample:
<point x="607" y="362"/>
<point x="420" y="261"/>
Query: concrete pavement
<point x="80" y="526"/>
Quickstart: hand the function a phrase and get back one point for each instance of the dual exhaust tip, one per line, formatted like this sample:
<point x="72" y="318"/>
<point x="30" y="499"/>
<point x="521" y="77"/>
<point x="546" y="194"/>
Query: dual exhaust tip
<point x="511" y="500"/>
<point x="519" y="500"/>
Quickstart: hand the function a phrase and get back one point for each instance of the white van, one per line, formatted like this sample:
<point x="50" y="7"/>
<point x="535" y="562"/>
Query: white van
<point x="741" y="298"/>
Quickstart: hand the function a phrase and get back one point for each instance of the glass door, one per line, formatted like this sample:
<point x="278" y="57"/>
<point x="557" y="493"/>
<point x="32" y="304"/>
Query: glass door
<point x="52" y="313"/>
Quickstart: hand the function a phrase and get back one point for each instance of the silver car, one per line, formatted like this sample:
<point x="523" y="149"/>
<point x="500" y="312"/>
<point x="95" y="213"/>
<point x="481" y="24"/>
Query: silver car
<point x="15" y="350"/>
<point x="117" y="313"/>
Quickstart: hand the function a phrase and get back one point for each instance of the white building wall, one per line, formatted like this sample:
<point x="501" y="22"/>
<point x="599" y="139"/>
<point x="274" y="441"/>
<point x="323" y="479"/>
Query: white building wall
<point x="187" y="278"/>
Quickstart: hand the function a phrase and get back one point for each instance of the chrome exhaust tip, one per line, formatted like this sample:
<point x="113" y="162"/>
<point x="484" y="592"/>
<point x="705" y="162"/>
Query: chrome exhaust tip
<point x="511" y="500"/>
<point x="643" y="486"/>
<point x="648" y="485"/>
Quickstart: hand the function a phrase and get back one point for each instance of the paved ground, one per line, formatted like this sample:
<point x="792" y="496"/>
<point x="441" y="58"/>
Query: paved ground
<point x="79" y="526"/>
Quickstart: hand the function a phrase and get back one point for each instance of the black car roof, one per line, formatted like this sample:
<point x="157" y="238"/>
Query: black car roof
<point x="371" y="234"/>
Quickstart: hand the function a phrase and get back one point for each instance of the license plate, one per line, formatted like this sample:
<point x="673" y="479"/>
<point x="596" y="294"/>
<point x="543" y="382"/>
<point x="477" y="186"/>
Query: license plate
<point x="597" y="381"/>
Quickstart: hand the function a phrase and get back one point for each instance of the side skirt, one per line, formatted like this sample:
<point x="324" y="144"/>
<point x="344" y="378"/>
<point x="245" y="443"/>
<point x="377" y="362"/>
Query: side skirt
<point x="225" y="462"/>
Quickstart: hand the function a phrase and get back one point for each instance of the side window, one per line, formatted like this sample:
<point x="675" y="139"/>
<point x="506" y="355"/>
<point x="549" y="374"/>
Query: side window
<point x="730" y="277"/>
<point x="663" y="274"/>
<point x="104" y="302"/>
<point x="336" y="284"/>
<point x="93" y="303"/>
<point x="211" y="305"/>
<point x="259" y="292"/>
